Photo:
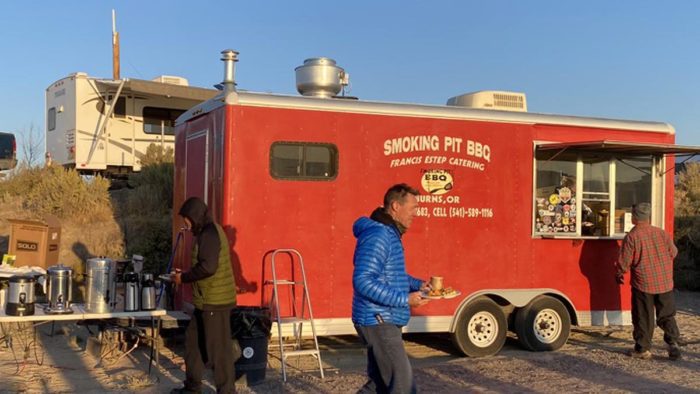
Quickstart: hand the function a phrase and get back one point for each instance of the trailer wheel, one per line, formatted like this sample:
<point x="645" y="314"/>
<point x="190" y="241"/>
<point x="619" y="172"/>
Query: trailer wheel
<point x="481" y="328"/>
<point x="543" y="324"/>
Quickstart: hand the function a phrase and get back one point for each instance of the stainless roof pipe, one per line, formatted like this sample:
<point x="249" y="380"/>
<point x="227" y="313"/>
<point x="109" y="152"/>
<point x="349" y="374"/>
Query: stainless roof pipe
<point x="229" y="57"/>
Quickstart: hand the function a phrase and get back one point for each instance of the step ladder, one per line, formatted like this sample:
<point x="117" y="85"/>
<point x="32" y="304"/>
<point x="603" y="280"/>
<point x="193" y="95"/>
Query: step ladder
<point x="299" y="315"/>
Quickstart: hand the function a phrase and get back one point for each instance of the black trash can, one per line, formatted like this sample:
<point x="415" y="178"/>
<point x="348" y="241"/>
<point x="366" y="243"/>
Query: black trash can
<point x="250" y="326"/>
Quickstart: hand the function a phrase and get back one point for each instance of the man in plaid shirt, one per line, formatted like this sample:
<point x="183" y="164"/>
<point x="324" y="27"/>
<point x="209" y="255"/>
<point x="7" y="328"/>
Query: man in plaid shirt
<point x="648" y="252"/>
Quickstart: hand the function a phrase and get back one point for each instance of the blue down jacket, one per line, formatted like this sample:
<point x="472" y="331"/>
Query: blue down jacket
<point x="379" y="280"/>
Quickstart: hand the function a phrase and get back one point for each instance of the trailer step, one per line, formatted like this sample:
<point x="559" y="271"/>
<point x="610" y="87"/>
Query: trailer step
<point x="304" y="352"/>
<point x="283" y="282"/>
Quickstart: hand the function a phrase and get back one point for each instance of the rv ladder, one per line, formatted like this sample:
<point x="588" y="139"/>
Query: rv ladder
<point x="298" y="316"/>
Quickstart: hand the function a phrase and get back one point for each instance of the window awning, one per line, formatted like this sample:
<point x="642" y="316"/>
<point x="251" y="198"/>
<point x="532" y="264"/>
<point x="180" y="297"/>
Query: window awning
<point x="138" y="86"/>
<point x="628" y="148"/>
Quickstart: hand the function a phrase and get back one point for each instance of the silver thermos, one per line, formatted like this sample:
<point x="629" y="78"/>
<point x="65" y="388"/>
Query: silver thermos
<point x="59" y="289"/>
<point x="20" y="297"/>
<point x="101" y="285"/>
<point x="148" y="293"/>
<point x="131" y="292"/>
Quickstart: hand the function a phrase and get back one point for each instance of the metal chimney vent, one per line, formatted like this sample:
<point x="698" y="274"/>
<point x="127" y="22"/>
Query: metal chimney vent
<point x="320" y="77"/>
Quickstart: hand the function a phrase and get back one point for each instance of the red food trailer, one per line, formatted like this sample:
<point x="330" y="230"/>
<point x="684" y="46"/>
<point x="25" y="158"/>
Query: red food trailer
<point x="522" y="213"/>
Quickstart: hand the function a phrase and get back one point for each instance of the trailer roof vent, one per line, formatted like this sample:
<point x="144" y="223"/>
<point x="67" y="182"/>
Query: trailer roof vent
<point x="320" y="77"/>
<point x="490" y="99"/>
<point x="171" y="79"/>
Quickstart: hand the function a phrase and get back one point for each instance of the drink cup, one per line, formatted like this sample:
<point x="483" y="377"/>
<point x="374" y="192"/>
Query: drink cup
<point x="436" y="282"/>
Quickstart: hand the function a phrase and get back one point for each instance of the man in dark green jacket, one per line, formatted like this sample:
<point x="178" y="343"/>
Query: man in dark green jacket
<point x="208" y="337"/>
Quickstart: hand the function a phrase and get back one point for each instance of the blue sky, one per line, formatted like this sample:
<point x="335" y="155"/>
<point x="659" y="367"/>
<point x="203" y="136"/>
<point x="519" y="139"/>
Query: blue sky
<point x="617" y="59"/>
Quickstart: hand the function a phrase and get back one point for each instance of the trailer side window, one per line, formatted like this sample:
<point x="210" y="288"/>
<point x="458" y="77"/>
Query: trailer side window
<point x="160" y="120"/>
<point x="51" y="119"/>
<point x="555" y="193"/>
<point x="303" y="161"/>
<point x="633" y="178"/>
<point x="589" y="193"/>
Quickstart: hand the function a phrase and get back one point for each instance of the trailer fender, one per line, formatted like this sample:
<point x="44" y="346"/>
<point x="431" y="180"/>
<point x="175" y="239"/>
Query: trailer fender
<point x="510" y="299"/>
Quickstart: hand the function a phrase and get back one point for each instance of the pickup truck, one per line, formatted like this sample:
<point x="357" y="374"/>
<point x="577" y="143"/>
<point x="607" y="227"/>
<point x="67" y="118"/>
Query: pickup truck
<point x="8" y="151"/>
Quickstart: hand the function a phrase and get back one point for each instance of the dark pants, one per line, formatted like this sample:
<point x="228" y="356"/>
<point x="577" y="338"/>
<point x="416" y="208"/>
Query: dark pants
<point x="208" y="343"/>
<point x="643" y="305"/>
<point x="387" y="362"/>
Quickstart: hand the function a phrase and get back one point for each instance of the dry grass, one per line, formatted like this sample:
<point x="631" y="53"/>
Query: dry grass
<point x="60" y="192"/>
<point x="83" y="205"/>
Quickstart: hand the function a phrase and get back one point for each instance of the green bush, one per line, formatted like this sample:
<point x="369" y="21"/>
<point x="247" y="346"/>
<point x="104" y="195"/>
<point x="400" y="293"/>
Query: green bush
<point x="145" y="209"/>
<point x="60" y="192"/>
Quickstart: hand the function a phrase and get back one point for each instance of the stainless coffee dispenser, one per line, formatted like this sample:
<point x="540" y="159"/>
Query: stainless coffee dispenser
<point x="20" y="297"/>
<point x="148" y="293"/>
<point x="59" y="289"/>
<point x="101" y="285"/>
<point x="131" y="292"/>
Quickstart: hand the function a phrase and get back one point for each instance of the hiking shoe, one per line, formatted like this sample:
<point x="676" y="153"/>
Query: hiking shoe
<point x="645" y="355"/>
<point x="184" y="390"/>
<point x="674" y="353"/>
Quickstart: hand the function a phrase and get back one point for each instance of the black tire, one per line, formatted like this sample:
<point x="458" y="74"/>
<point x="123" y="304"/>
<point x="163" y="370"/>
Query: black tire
<point x="481" y="329"/>
<point x="543" y="325"/>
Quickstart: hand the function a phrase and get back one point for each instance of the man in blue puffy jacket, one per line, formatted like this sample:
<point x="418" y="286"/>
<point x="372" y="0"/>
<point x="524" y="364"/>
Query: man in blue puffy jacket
<point x="383" y="291"/>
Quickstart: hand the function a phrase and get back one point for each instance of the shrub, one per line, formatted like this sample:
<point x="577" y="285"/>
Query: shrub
<point x="60" y="192"/>
<point x="687" y="228"/>
<point x="145" y="209"/>
<point x="156" y="154"/>
<point x="82" y="204"/>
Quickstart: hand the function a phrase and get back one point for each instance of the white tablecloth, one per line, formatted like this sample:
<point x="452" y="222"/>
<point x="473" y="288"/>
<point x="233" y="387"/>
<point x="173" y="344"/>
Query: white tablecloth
<point x="79" y="313"/>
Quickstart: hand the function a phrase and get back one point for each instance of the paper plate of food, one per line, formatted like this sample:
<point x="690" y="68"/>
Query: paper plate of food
<point x="445" y="293"/>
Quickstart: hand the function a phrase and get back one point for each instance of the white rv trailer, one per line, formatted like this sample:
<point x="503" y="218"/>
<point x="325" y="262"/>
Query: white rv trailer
<point x="105" y="126"/>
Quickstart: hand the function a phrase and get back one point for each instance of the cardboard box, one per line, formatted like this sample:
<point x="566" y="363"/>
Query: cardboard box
<point x="35" y="243"/>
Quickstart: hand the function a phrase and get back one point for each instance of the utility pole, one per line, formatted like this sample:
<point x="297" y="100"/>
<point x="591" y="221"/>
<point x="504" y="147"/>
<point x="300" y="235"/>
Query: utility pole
<point x="115" y="48"/>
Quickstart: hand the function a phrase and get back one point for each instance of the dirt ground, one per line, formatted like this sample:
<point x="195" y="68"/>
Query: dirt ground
<point x="593" y="360"/>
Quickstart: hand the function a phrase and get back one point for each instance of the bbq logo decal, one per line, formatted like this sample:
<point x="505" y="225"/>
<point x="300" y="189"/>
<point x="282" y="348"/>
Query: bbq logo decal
<point x="437" y="181"/>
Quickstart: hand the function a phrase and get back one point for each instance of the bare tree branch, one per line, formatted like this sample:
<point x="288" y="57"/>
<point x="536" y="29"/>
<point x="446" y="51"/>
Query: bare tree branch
<point x="32" y="144"/>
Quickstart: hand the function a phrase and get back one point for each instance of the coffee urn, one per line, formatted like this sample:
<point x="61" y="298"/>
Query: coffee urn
<point x="131" y="292"/>
<point x="59" y="290"/>
<point x="20" y="297"/>
<point x="101" y="285"/>
<point x="148" y="293"/>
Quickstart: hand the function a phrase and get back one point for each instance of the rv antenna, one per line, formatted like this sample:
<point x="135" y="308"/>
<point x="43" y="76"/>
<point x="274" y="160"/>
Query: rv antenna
<point x="115" y="48"/>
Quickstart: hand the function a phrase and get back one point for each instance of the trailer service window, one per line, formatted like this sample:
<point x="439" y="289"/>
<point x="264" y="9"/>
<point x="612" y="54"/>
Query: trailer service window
<point x="589" y="193"/>
<point x="303" y="161"/>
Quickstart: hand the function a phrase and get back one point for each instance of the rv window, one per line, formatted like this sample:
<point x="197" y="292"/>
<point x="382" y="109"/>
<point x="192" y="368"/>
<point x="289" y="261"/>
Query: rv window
<point x="303" y="161"/>
<point x="119" y="107"/>
<point x="51" y="119"/>
<point x="608" y="185"/>
<point x="160" y="120"/>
